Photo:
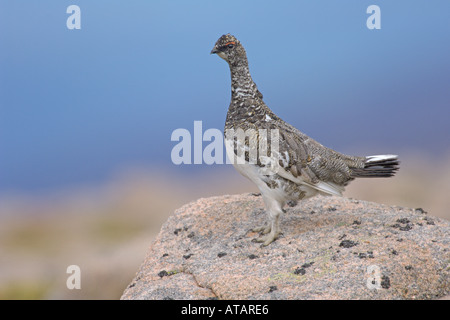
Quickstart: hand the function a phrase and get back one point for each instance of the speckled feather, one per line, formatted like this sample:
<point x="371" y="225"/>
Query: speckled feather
<point x="307" y="166"/>
<point x="248" y="110"/>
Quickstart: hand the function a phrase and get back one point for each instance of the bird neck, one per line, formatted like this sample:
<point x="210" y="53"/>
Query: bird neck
<point x="242" y="85"/>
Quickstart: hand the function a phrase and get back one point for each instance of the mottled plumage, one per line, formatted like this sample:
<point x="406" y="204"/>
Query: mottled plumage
<point x="303" y="167"/>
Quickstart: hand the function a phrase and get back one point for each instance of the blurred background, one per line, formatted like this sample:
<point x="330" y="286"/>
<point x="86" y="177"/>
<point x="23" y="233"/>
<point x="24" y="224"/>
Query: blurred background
<point x="86" y="117"/>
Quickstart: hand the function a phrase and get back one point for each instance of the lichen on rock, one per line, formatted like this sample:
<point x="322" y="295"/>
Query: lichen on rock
<point x="205" y="251"/>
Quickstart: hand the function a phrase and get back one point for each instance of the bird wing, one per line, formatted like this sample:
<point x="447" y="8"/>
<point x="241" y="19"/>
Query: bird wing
<point x="303" y="160"/>
<point x="298" y="158"/>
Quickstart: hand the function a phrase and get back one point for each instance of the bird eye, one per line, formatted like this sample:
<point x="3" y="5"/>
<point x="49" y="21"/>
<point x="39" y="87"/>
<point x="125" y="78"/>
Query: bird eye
<point x="230" y="44"/>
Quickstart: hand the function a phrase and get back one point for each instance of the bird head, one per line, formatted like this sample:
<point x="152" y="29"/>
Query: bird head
<point x="230" y="49"/>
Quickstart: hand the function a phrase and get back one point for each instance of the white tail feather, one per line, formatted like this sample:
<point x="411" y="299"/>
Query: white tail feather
<point x="381" y="157"/>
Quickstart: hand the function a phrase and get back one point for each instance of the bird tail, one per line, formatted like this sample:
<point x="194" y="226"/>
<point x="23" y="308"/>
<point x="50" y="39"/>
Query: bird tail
<point x="379" y="166"/>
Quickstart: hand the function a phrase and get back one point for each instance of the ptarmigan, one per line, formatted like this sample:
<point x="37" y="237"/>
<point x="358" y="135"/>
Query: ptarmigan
<point x="284" y="163"/>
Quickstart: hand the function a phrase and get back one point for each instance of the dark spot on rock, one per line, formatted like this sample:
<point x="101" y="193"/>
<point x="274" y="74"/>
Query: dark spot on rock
<point x="300" y="271"/>
<point x="356" y="222"/>
<point x="408" y="267"/>
<point x="312" y="212"/>
<point x="272" y="289"/>
<point x="394" y="252"/>
<point x="331" y="209"/>
<point x="255" y="194"/>
<point x="177" y="231"/>
<point x="429" y="221"/>
<point x="131" y="285"/>
<point x="167" y="298"/>
<point x="307" y="265"/>
<point x="348" y="244"/>
<point x="364" y="255"/>
<point x="165" y="255"/>
<point x="399" y="239"/>
<point x="420" y="211"/>
<point x="258" y="211"/>
<point x="385" y="282"/>
<point x="252" y="256"/>
<point x="406" y="228"/>
<point x="191" y="235"/>
<point x="163" y="273"/>
<point x="221" y="254"/>
<point x="188" y="256"/>
<point x="342" y="237"/>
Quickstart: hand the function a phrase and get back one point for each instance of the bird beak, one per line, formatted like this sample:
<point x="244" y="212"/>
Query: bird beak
<point x="215" y="50"/>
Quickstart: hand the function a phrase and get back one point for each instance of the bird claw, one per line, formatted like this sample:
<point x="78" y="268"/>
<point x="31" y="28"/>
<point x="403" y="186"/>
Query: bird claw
<point x="263" y="229"/>
<point x="267" y="239"/>
<point x="270" y="235"/>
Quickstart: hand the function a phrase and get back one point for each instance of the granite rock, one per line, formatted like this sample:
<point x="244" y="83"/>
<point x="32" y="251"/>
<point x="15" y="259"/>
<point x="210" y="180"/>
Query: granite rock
<point x="331" y="248"/>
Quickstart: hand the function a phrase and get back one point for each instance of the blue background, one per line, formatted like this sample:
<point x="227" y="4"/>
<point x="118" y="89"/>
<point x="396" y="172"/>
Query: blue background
<point x="78" y="105"/>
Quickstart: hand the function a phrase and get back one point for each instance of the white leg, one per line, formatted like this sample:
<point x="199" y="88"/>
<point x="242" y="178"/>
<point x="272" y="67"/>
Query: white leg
<point x="272" y="229"/>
